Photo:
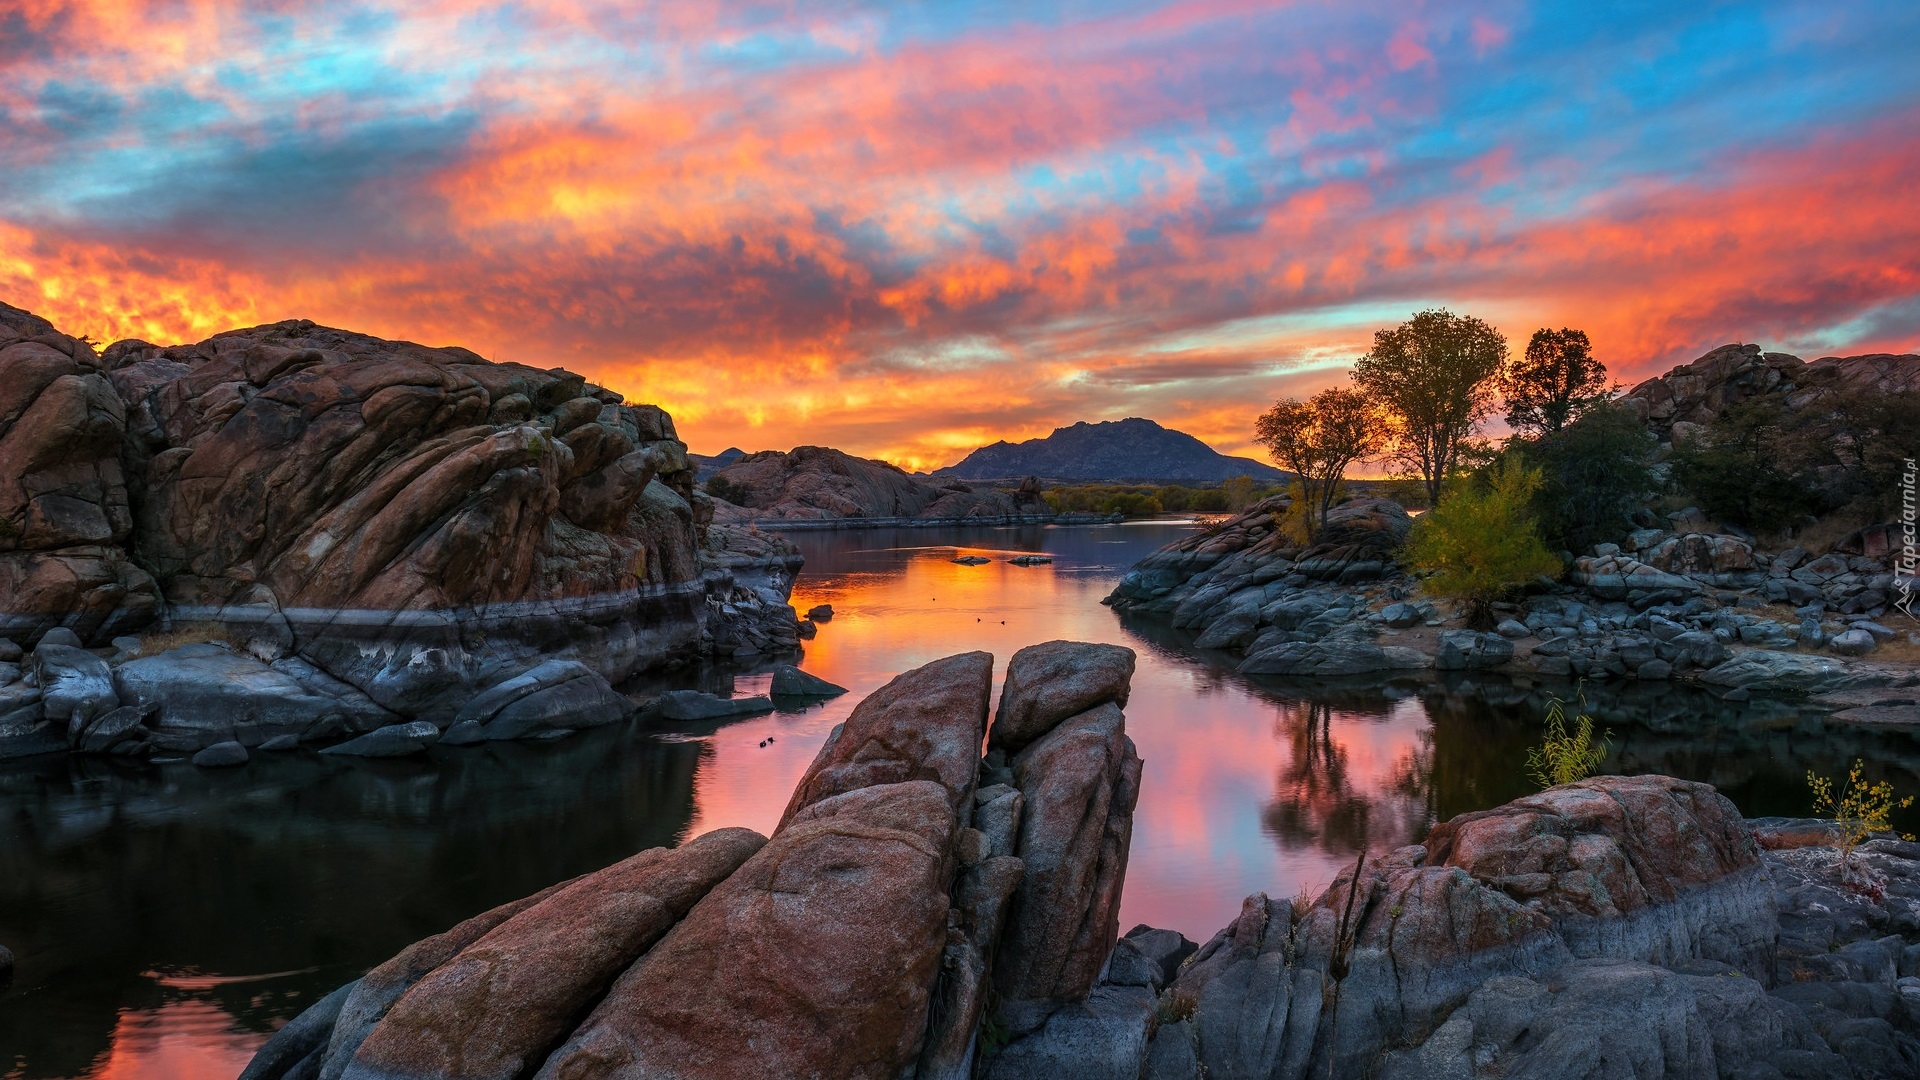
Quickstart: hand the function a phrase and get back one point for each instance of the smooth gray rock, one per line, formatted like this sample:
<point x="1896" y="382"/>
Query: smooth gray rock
<point x="699" y="705"/>
<point x="280" y="744"/>
<point x="1102" y="1038"/>
<point x="1512" y="628"/>
<point x="304" y="1037"/>
<point x="559" y="694"/>
<point x="1853" y="643"/>
<point x="221" y="755"/>
<point x="63" y="637"/>
<point x="1654" y="670"/>
<point x="1166" y="948"/>
<point x="205" y="694"/>
<point x="121" y="725"/>
<point x="76" y="687"/>
<point x="394" y="740"/>
<point x="1339" y="656"/>
<point x="10" y="652"/>
<point x="464" y="733"/>
<point x="1470" y="650"/>
<point x="790" y="681"/>
<point x="1762" y="669"/>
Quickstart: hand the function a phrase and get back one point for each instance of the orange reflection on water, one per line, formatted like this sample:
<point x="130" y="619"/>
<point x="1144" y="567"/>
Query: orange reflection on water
<point x="189" y="1039"/>
<point x="1245" y="789"/>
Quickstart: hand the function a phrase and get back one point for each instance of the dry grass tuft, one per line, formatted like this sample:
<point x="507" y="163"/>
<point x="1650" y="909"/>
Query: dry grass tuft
<point x="155" y="642"/>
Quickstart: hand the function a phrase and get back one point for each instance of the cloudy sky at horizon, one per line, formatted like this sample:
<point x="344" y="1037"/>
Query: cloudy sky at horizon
<point x="908" y="230"/>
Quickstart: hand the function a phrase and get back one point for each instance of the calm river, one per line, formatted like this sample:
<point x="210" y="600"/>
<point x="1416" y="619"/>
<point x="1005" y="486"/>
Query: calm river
<point x="165" y="919"/>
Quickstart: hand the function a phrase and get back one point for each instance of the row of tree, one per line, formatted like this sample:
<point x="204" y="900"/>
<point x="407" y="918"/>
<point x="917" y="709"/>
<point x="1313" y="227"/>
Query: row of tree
<point x="1419" y="397"/>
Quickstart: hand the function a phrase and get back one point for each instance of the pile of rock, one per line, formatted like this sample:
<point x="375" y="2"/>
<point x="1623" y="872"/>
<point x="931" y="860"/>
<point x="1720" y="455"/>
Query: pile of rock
<point x="1685" y="400"/>
<point x="909" y="883"/>
<point x="356" y="531"/>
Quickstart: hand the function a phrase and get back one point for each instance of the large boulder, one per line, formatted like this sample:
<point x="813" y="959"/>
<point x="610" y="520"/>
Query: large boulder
<point x="76" y="687"/>
<point x="1080" y="783"/>
<point x="1330" y="657"/>
<point x="825" y="944"/>
<point x="1648" y="870"/>
<point x="556" y="695"/>
<point x="924" y="725"/>
<point x="495" y="1010"/>
<point x="1470" y="650"/>
<point x="64" y="507"/>
<point x="1764" y="669"/>
<point x="1049" y="682"/>
<point x="202" y="694"/>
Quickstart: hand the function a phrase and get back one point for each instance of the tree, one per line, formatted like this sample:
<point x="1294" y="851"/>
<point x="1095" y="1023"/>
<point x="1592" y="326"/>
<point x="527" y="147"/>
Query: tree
<point x="1753" y="466"/>
<point x="1317" y="439"/>
<point x="1481" y="543"/>
<point x="1597" y="471"/>
<point x="1553" y="382"/>
<point x="1434" y="376"/>
<point x="1238" y="491"/>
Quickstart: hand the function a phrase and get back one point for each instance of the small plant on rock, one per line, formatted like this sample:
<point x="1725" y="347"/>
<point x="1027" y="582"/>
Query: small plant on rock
<point x="1859" y="810"/>
<point x="1567" y="756"/>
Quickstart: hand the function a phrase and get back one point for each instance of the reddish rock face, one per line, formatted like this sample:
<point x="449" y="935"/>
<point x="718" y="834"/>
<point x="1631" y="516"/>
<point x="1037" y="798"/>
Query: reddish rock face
<point x="924" y="725"/>
<point x="814" y="961"/>
<point x="1080" y="782"/>
<point x="1608" y="846"/>
<point x="63" y="498"/>
<point x="494" y="1011"/>
<point x="1049" y="682"/>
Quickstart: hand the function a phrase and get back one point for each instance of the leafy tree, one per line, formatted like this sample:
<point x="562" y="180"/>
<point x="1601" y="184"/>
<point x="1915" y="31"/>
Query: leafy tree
<point x="1481" y="542"/>
<point x="1238" y="491"/>
<point x="1553" y="382"/>
<point x="1434" y="375"/>
<point x="1595" y="472"/>
<point x="1317" y="439"/>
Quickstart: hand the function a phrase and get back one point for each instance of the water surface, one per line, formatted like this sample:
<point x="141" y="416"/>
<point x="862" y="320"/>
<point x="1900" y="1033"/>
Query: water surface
<point x="167" y="918"/>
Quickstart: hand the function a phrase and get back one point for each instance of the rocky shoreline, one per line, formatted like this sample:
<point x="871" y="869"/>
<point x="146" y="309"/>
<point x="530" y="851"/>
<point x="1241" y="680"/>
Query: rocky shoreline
<point x="924" y="911"/>
<point x="1682" y="602"/>
<point x="293" y="533"/>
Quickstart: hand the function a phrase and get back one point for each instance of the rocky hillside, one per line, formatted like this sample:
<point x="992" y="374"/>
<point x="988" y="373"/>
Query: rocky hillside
<point x="397" y="526"/>
<point x="816" y="483"/>
<point x="1112" y="451"/>
<point x="1689" y="397"/>
<point x="923" y="911"/>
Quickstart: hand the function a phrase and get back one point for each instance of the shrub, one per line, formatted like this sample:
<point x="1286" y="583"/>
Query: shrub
<point x="1563" y="757"/>
<point x="1750" y="467"/>
<point x="1595" y="473"/>
<point x="1481" y="542"/>
<point x="726" y="490"/>
<point x="1860" y="810"/>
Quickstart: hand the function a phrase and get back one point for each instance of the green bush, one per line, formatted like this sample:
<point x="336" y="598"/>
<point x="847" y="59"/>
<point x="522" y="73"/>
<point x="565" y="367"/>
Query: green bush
<point x="1595" y="473"/>
<point x="1753" y="466"/>
<point x="1481" y="542"/>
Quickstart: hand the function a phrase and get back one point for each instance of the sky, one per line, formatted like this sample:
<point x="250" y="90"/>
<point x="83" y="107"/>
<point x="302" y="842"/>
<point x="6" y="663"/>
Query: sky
<point x="910" y="229"/>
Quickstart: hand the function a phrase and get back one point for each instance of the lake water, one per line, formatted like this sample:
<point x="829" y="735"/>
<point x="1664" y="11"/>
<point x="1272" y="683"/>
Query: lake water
<point x="167" y="918"/>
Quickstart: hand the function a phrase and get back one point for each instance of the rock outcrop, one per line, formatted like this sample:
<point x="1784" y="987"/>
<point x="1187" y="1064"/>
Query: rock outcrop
<point x="348" y="531"/>
<point x="1694" y="394"/>
<point x="817" y="483"/>
<point x="860" y="940"/>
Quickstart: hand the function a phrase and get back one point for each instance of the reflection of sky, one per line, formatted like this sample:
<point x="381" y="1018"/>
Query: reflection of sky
<point x="841" y="223"/>
<point x="1217" y="754"/>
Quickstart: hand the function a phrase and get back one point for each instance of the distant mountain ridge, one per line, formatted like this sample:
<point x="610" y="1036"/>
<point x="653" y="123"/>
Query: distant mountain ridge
<point x="1112" y="451"/>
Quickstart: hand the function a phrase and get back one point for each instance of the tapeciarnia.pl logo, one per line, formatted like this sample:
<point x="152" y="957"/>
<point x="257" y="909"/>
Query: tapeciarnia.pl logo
<point x="1903" y="581"/>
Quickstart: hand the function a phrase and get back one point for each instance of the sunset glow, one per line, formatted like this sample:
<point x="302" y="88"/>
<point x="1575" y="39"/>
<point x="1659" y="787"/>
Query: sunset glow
<point x="908" y="231"/>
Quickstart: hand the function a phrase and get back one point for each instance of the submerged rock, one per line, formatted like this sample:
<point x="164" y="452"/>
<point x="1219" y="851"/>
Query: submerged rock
<point x="694" y="705"/>
<point x="221" y="755"/>
<point x="394" y="740"/>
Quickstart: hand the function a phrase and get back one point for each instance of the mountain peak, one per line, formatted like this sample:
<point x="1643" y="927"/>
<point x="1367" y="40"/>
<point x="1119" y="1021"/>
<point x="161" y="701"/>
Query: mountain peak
<point x="1109" y="451"/>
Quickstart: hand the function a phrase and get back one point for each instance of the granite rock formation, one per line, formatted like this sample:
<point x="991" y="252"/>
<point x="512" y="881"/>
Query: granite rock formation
<point x="1694" y="394"/>
<point x="859" y="940"/>
<point x="907" y="921"/>
<point x="816" y="483"/>
<point x="361" y="530"/>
